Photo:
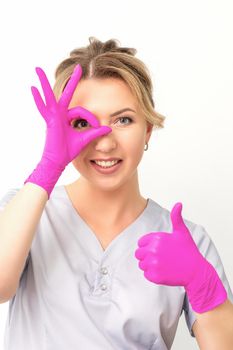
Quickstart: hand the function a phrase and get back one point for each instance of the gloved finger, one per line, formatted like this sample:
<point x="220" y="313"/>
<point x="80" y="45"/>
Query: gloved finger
<point x="142" y="265"/>
<point x="149" y="263"/>
<point x="145" y="239"/>
<point x="178" y="225"/>
<point x="140" y="253"/>
<point x="152" y="238"/>
<point x="152" y="247"/>
<point x="39" y="102"/>
<point x="82" y="113"/>
<point x="47" y="90"/>
<point x="70" y="86"/>
<point x="91" y="134"/>
<point x="153" y="276"/>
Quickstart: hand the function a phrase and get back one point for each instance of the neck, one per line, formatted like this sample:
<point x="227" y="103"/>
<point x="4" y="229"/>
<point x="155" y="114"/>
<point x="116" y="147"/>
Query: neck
<point x="94" y="201"/>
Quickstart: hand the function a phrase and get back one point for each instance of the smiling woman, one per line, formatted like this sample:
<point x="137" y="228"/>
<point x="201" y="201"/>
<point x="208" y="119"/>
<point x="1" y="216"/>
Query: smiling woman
<point x="68" y="258"/>
<point x="114" y="105"/>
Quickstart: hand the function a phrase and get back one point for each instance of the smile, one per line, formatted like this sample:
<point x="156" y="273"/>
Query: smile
<point x="106" y="167"/>
<point x="107" y="164"/>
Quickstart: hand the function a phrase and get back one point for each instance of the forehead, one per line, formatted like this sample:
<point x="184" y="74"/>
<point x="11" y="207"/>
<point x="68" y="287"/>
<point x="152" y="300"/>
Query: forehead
<point x="103" y="93"/>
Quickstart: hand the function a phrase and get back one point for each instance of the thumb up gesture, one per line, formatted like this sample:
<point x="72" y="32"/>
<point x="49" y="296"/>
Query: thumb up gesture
<point x="173" y="259"/>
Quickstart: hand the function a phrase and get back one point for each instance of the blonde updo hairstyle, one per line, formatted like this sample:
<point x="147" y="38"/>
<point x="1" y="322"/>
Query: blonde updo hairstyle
<point x="102" y="60"/>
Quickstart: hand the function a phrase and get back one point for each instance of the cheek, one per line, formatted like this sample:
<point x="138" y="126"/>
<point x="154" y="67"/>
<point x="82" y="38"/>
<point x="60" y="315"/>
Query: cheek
<point x="133" y="142"/>
<point x="135" y="150"/>
<point x="78" y="162"/>
<point x="132" y="149"/>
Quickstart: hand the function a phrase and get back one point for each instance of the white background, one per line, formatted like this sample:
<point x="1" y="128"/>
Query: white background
<point x="187" y="46"/>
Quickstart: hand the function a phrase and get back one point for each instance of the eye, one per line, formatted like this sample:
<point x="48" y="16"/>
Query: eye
<point x="123" y="119"/>
<point x="79" y="123"/>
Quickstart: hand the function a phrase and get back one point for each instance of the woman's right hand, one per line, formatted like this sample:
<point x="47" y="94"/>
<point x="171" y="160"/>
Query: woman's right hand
<point x="63" y="143"/>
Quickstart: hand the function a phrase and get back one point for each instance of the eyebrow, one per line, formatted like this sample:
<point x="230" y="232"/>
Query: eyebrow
<point x="121" y="110"/>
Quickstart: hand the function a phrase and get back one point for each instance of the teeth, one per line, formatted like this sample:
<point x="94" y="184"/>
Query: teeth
<point x="106" y="164"/>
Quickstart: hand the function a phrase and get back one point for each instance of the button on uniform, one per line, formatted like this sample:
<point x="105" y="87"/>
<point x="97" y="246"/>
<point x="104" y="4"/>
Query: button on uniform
<point x="103" y="287"/>
<point x="104" y="270"/>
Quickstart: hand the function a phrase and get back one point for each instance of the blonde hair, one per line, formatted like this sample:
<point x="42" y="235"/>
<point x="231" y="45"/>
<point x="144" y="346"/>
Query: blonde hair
<point x="110" y="60"/>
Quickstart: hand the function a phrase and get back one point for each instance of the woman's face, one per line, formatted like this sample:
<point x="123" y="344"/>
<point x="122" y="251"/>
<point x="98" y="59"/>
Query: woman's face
<point x="130" y="132"/>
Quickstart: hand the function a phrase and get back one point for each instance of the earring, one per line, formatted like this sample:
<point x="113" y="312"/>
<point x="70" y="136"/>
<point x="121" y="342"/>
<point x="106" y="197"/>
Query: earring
<point x="146" y="147"/>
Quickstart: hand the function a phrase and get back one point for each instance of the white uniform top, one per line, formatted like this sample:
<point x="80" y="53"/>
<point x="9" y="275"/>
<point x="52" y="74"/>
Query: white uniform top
<point x="74" y="295"/>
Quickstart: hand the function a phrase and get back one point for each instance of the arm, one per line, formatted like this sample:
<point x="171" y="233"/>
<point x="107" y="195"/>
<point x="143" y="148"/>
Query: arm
<point x="18" y="223"/>
<point x="214" y="329"/>
<point x="19" y="219"/>
<point x="174" y="260"/>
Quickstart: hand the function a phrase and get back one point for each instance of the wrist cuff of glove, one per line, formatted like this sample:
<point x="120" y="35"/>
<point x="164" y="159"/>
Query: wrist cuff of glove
<point x="45" y="175"/>
<point x="206" y="290"/>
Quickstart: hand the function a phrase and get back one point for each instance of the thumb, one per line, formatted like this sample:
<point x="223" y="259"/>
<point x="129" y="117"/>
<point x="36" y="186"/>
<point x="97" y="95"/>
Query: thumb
<point x="91" y="134"/>
<point x="176" y="218"/>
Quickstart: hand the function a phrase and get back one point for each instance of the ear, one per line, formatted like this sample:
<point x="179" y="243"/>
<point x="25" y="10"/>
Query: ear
<point x="149" y="130"/>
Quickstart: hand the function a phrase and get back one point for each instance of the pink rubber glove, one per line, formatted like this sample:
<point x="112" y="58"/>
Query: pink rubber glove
<point x="173" y="259"/>
<point x="63" y="143"/>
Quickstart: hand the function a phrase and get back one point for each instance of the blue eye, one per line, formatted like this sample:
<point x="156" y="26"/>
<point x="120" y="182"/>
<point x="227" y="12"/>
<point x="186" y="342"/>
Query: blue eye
<point x="130" y="120"/>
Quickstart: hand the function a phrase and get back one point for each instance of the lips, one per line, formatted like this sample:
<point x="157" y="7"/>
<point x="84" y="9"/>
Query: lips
<point x="105" y="159"/>
<point x="106" y="170"/>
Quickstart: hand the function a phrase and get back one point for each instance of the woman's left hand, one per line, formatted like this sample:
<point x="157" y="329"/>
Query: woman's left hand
<point x="173" y="259"/>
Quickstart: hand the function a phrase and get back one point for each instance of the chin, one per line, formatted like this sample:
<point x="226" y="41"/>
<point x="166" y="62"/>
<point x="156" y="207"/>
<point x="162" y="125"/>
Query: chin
<point x="110" y="183"/>
<point x="107" y="186"/>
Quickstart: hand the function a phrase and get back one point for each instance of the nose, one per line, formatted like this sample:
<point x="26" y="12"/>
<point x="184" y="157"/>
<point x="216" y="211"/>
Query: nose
<point x="105" y="143"/>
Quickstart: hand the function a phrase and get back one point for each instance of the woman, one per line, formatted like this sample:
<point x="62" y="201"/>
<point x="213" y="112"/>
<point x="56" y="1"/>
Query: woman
<point x="69" y="253"/>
